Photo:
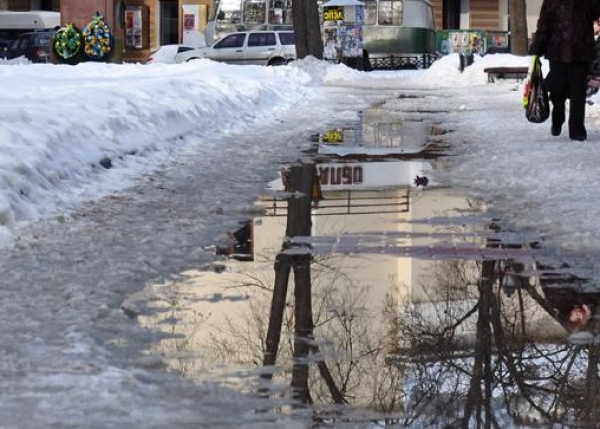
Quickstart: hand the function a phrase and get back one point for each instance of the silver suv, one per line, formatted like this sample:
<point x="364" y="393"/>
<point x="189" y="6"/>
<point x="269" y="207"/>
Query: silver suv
<point x="271" y="48"/>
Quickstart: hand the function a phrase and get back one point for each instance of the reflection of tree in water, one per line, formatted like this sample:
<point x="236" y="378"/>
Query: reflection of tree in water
<point x="506" y="376"/>
<point x="467" y="356"/>
<point x="353" y="339"/>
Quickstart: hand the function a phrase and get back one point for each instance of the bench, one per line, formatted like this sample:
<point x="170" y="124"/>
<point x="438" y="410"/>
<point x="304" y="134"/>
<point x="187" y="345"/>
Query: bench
<point x="518" y="73"/>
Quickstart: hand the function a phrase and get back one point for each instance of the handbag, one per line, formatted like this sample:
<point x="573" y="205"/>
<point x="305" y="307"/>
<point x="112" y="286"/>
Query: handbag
<point x="535" y="94"/>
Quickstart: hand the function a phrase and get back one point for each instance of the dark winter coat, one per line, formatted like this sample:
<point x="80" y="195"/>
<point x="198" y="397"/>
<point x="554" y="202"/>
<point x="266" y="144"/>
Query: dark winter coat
<point x="596" y="63"/>
<point x="565" y="30"/>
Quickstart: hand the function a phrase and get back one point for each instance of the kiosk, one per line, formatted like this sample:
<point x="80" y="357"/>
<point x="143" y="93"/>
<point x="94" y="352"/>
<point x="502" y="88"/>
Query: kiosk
<point x="342" y="31"/>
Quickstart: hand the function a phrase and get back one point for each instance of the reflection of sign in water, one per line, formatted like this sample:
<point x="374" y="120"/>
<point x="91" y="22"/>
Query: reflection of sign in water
<point x="333" y="136"/>
<point x="344" y="175"/>
<point x="337" y="176"/>
<point x="133" y="27"/>
<point x="189" y="22"/>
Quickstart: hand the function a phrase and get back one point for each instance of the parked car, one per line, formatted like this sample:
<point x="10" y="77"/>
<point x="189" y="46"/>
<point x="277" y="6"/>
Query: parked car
<point x="166" y="54"/>
<point x="248" y="47"/>
<point x="4" y="45"/>
<point x="36" y="46"/>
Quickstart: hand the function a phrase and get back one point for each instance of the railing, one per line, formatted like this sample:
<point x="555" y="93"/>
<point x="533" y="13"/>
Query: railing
<point x="398" y="62"/>
<point x="348" y="203"/>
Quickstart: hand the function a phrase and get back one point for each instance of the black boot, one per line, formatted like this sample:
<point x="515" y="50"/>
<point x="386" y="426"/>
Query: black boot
<point x="558" y="118"/>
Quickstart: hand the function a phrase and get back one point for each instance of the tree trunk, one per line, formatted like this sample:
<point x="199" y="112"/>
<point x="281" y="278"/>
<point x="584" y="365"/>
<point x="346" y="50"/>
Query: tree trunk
<point x="315" y="39"/>
<point x="298" y="223"/>
<point x="299" y="204"/>
<point x="283" y="265"/>
<point x="307" y="31"/>
<point x="300" y="28"/>
<point x="302" y="327"/>
<point x="519" y="37"/>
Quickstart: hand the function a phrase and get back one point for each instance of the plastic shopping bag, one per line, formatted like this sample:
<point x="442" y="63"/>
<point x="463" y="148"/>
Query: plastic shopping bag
<point x="535" y="94"/>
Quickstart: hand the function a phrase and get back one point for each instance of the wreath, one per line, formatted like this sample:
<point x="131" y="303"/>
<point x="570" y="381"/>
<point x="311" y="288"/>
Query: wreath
<point x="67" y="43"/>
<point x="97" y="38"/>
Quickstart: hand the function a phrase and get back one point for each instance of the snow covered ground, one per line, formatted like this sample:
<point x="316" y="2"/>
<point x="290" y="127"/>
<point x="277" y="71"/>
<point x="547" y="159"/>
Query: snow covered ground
<point x="58" y="123"/>
<point x="191" y="146"/>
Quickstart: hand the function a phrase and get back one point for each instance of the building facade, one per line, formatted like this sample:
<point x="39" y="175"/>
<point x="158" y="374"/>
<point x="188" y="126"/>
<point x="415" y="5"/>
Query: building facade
<point x="486" y="15"/>
<point x="141" y="26"/>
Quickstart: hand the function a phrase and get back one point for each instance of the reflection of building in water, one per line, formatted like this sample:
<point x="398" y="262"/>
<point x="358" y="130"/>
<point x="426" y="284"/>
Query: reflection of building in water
<point x="377" y="133"/>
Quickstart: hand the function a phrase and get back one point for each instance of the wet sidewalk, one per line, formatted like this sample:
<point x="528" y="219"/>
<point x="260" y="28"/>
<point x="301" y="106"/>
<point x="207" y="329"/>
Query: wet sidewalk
<point x="425" y="310"/>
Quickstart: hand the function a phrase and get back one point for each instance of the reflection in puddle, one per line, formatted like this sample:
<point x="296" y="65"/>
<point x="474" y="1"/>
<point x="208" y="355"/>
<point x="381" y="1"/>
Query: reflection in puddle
<point x="425" y="313"/>
<point x="238" y="244"/>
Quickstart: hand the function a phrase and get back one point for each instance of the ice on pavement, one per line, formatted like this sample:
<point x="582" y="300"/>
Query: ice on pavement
<point x="191" y="145"/>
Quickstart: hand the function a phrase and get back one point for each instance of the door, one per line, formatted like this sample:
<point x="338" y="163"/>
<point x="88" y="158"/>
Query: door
<point x="451" y="14"/>
<point x="230" y="49"/>
<point x="169" y="23"/>
<point x="261" y="47"/>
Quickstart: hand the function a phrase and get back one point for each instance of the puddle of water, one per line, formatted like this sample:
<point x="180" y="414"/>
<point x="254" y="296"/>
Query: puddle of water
<point x="426" y="312"/>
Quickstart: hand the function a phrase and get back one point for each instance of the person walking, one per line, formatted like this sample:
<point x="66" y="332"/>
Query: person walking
<point x="565" y="36"/>
<point x="594" y="74"/>
<point x="596" y="62"/>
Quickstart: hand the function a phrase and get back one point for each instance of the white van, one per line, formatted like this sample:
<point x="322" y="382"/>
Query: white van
<point x="13" y="24"/>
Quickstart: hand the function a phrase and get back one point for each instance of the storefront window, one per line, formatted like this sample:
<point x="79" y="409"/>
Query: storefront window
<point x="370" y="11"/>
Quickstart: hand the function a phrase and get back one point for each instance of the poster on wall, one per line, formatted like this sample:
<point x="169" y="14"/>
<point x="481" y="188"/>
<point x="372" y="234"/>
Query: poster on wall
<point x="133" y="27"/>
<point x="192" y="24"/>
<point x="472" y="41"/>
<point x="189" y="21"/>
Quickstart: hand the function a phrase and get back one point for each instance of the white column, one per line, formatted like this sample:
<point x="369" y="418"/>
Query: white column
<point x="503" y="13"/>
<point x="464" y="14"/>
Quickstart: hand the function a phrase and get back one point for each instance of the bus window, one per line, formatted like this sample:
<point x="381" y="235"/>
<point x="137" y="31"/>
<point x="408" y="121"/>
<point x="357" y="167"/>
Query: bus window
<point x="254" y="12"/>
<point x="280" y="12"/>
<point x="391" y="12"/>
<point x="370" y="12"/>
<point x="431" y="17"/>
